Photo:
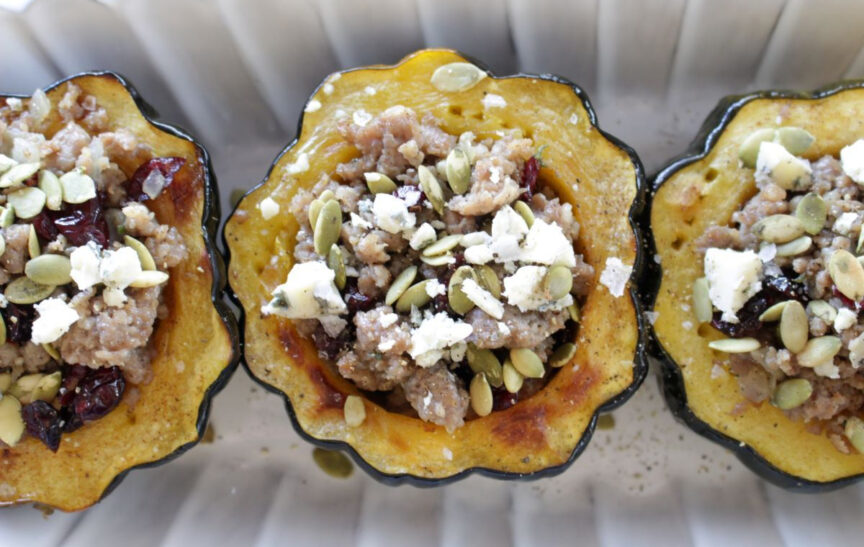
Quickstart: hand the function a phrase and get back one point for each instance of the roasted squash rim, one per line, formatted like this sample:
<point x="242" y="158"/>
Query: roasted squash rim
<point x="640" y="363"/>
<point x="669" y="376"/>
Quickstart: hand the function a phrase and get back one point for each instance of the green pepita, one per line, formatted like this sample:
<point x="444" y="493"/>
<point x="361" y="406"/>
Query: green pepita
<point x="328" y="226"/>
<point x="487" y="279"/>
<point x="432" y="188"/>
<point x="457" y="299"/>
<point x="778" y="228"/>
<point x="440" y="260"/>
<point x="484" y="361"/>
<point x="326" y="196"/>
<point x="791" y="393"/>
<point x="527" y="362"/>
<point x="2" y="334"/>
<point x="557" y="282"/>
<point x="458" y="171"/>
<point x="812" y="211"/>
<point x="795" y="139"/>
<point x="794" y="326"/>
<point x="795" y="247"/>
<point x="774" y="312"/>
<point x="860" y="246"/>
<point x="25" y="291"/>
<point x="854" y="431"/>
<point x="2" y="244"/>
<point x="49" y="269"/>
<point x="823" y="310"/>
<point x="562" y="355"/>
<point x="702" y="301"/>
<point x="513" y="379"/>
<point x="7" y="216"/>
<point x="819" y="351"/>
<point x="573" y="310"/>
<point x="144" y="256"/>
<point x="454" y="77"/>
<point x="77" y="187"/>
<point x="50" y="184"/>
<point x="33" y="246"/>
<point x="734" y="345"/>
<point x="11" y="423"/>
<point x="52" y="351"/>
<point x="847" y="273"/>
<point x="5" y="381"/>
<point x="27" y="202"/>
<point x="400" y="284"/>
<point x="443" y="245"/>
<point x="354" y="410"/>
<point x="749" y="150"/>
<point x="336" y="262"/>
<point x="314" y="210"/>
<point x="379" y="183"/>
<point x="6" y="163"/>
<point x="18" y="174"/>
<point x="524" y="211"/>
<point x="149" y="278"/>
<point x="415" y="295"/>
<point x="481" y="395"/>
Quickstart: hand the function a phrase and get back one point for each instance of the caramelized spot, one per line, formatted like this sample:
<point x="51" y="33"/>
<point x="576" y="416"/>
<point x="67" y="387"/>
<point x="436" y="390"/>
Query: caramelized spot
<point x="523" y="426"/>
<point x="579" y="386"/>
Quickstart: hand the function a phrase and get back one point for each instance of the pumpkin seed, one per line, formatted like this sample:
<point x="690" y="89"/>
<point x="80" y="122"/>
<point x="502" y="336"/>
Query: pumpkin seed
<point x="49" y="269"/>
<point x="527" y="362"/>
<point x="484" y="361"/>
<point x="432" y="188"/>
<point x="791" y="175"/>
<point x="25" y="291"/>
<point x="5" y="381"/>
<point x="328" y="226"/>
<point x="562" y="355"/>
<point x="794" y="326"/>
<point x="332" y="462"/>
<point x="336" y="263"/>
<point x="77" y="187"/>
<point x="7" y="216"/>
<point x="573" y="310"/>
<point x="443" y="245"/>
<point x="149" y="278"/>
<point x="314" y="210"/>
<point x="812" y="211"/>
<point x="52" y="351"/>
<point x="440" y="260"/>
<point x="823" y="310"/>
<point x="778" y="228"/>
<point x="774" y="312"/>
<point x="326" y="196"/>
<point x="791" y="393"/>
<point x="354" y="410"/>
<point x="524" y="211"/>
<point x="734" y="345"/>
<point x="795" y="139"/>
<point x="36" y="387"/>
<point x="457" y="299"/>
<point x="458" y="171"/>
<point x="33" y="243"/>
<point x="50" y="184"/>
<point x="557" y="282"/>
<point x="749" y="150"/>
<point x="400" y="284"/>
<point x="18" y="174"/>
<point x="2" y="245"/>
<point x="513" y="379"/>
<point x="860" y="246"/>
<point x="488" y="279"/>
<point x="415" y="295"/>
<point x="6" y="163"/>
<point x="2" y="334"/>
<point x="854" y="431"/>
<point x="27" y="202"/>
<point x="455" y="77"/>
<point x="11" y="423"/>
<point x="847" y="273"/>
<point x="701" y="301"/>
<point x="481" y="395"/>
<point x="144" y="256"/>
<point x="819" y="351"/>
<point x="795" y="247"/>
<point x="379" y="183"/>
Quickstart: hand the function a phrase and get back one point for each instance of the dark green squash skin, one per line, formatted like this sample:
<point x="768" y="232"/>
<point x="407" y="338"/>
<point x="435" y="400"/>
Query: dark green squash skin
<point x="670" y="378"/>
<point x="640" y="364"/>
<point x="209" y="227"/>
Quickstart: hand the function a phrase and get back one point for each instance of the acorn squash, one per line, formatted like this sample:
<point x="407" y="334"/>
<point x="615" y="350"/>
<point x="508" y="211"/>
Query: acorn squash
<point x="599" y="175"/>
<point x="195" y="345"/>
<point x="704" y="187"/>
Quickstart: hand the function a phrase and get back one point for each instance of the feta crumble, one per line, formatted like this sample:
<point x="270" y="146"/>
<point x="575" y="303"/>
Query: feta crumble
<point x="308" y="293"/>
<point x="436" y="333"/>
<point x="313" y="106"/>
<point x="733" y="277"/>
<point x="55" y="318"/>
<point x="299" y="166"/>
<point x="852" y="161"/>
<point x="615" y="276"/>
<point x="269" y="208"/>
<point x="425" y="235"/>
<point x="482" y="298"/>
<point x="492" y="100"/>
<point x="391" y="214"/>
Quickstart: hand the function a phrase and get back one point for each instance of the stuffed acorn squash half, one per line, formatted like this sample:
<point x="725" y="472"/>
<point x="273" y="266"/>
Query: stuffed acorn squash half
<point x="113" y="336"/>
<point x="435" y="274"/>
<point x="758" y="236"/>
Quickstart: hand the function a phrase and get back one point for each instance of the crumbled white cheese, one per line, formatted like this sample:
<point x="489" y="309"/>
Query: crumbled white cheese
<point x="574" y="119"/>
<point x="523" y="288"/>
<point x="361" y="117"/>
<point x="615" y="275"/>
<point x="313" y="106"/>
<point x="388" y="319"/>
<point x="482" y="298"/>
<point x="447" y="453"/>
<point x="852" y="160"/>
<point x="547" y="244"/>
<point x="386" y="345"/>
<point x="767" y="252"/>
<point x="774" y="159"/>
<point x="269" y="208"/>
<point x="391" y="214"/>
<point x="118" y="269"/>
<point x="435" y="288"/>
<point x="478" y="254"/>
<point x="436" y="333"/>
<point x="114" y="297"/>
<point x="844" y="223"/>
<point x="492" y="100"/>
<point x="308" y="293"/>
<point x="425" y="235"/>
<point x="845" y="319"/>
<point x="15" y="104"/>
<point x="733" y="277"/>
<point x="55" y="318"/>
<point x="503" y="328"/>
<point x="508" y="222"/>
<point x="369" y="90"/>
<point x="359" y="222"/>
<point x="85" y="266"/>
<point x="828" y="370"/>
<point x="475" y="238"/>
<point x="327" y="89"/>
<point x="856" y="350"/>
<point x="299" y="166"/>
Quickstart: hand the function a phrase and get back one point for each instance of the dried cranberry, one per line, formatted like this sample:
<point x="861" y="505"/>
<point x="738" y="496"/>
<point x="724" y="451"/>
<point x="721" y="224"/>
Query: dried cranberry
<point x="19" y="322"/>
<point x="82" y="223"/>
<point x="848" y="302"/>
<point x="530" y="172"/>
<point x="44" y="226"/>
<point x="43" y="422"/>
<point x="167" y="167"/>
<point x="785" y="288"/>
<point x="748" y="316"/>
<point x="503" y="399"/>
<point x="72" y="374"/>
<point x="97" y="394"/>
<point x="440" y="303"/>
<point x="356" y="300"/>
<point x="329" y="346"/>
